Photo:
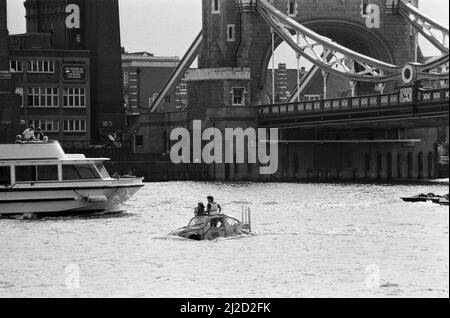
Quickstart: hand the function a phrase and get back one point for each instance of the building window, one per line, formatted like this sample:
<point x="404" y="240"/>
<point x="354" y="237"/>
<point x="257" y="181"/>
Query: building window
<point x="48" y="126"/>
<point x="126" y="78"/>
<point x="19" y="95"/>
<point x="41" y="66"/>
<point x="238" y="96"/>
<point x="75" y="125"/>
<point x="216" y="6"/>
<point x="182" y="106"/>
<point x="391" y="7"/>
<point x="43" y="97"/>
<point x="292" y="8"/>
<point x="167" y="99"/>
<point x="139" y="141"/>
<point x="183" y="88"/>
<point x="231" y="33"/>
<point x="15" y="66"/>
<point x="74" y="97"/>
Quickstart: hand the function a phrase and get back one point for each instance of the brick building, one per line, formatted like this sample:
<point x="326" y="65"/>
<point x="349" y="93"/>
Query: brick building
<point x="70" y="28"/>
<point x="144" y="76"/>
<point x="53" y="88"/>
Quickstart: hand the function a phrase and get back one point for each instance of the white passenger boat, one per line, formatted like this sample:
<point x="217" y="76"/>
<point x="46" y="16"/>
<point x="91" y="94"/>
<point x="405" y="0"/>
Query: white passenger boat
<point x="42" y="179"/>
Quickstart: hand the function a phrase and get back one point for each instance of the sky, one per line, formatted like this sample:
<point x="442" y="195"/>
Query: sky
<point x="168" y="27"/>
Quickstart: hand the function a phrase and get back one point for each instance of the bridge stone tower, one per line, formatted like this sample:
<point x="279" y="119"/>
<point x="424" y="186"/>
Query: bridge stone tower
<point x="231" y="79"/>
<point x="236" y="37"/>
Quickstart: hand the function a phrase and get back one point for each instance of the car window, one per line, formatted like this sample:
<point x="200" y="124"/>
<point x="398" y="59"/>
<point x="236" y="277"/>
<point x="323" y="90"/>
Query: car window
<point x="217" y="222"/>
<point x="231" y="222"/>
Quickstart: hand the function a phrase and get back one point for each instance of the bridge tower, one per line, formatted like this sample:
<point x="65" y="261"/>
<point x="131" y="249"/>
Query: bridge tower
<point x="231" y="78"/>
<point x="236" y="37"/>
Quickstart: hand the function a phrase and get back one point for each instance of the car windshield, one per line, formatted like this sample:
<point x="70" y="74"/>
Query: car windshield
<point x="201" y="221"/>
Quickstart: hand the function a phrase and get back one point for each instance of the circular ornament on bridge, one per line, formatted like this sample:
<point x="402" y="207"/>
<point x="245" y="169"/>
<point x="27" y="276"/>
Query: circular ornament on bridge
<point x="409" y="74"/>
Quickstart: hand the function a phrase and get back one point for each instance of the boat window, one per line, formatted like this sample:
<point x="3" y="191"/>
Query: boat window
<point x="103" y="172"/>
<point x="47" y="173"/>
<point x="26" y="174"/>
<point x="79" y="172"/>
<point x="5" y="175"/>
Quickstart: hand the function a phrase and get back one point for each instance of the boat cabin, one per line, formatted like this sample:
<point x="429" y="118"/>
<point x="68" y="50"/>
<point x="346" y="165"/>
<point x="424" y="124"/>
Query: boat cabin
<point x="47" y="163"/>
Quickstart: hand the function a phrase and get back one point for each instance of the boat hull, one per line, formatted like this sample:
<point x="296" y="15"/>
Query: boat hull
<point x="67" y="200"/>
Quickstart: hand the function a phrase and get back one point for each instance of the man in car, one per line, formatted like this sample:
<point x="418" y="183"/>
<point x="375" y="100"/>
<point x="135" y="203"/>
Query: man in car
<point x="213" y="208"/>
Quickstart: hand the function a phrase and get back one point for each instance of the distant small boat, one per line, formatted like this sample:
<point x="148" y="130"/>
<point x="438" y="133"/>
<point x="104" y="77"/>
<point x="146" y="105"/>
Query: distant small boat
<point x="444" y="200"/>
<point x="430" y="197"/>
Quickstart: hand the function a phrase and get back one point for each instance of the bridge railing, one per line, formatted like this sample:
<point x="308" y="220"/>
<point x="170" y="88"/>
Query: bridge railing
<point x="354" y="103"/>
<point x="435" y="95"/>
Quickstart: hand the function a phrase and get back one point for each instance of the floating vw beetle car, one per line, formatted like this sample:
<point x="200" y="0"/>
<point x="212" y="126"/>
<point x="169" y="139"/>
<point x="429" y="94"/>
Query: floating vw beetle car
<point x="206" y="227"/>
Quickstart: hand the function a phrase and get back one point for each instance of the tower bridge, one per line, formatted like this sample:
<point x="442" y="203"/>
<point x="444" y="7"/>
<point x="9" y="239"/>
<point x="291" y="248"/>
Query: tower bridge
<point x="384" y="109"/>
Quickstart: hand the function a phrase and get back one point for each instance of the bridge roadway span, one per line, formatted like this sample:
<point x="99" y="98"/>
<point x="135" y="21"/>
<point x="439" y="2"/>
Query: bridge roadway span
<point x="408" y="108"/>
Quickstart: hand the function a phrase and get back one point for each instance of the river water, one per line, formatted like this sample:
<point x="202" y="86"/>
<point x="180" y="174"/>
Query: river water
<point x="311" y="240"/>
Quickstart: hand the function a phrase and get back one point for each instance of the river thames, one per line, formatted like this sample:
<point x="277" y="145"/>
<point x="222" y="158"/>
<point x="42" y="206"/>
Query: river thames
<point x="310" y="240"/>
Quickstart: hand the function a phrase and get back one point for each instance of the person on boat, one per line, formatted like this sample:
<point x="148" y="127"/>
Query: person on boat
<point x="200" y="209"/>
<point x="19" y="140"/>
<point x="213" y="208"/>
<point x="39" y="135"/>
<point x="28" y="134"/>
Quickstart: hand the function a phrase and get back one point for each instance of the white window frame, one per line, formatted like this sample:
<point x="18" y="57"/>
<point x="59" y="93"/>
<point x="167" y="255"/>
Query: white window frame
<point x="16" y="66"/>
<point x="215" y="6"/>
<point x="43" y="92"/>
<point x="41" y="66"/>
<point x="71" y="94"/>
<point x="233" y="96"/>
<point x="231" y="33"/>
<point x="295" y="7"/>
<point x="74" y="126"/>
<point x="312" y="97"/>
<point x="126" y="78"/>
<point x="44" y="124"/>
<point x="183" y="88"/>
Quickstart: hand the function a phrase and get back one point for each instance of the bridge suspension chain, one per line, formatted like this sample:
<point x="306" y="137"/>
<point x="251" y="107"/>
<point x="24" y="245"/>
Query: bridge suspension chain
<point x="339" y="60"/>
